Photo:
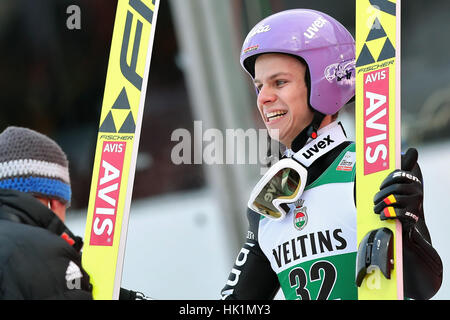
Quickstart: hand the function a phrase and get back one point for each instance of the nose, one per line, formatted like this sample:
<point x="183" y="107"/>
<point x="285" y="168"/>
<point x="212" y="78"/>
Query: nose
<point x="266" y="96"/>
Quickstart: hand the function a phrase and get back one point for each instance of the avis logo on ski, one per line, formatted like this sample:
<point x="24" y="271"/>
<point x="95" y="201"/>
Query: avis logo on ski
<point x="317" y="259"/>
<point x="107" y="193"/>
<point x="376" y="120"/>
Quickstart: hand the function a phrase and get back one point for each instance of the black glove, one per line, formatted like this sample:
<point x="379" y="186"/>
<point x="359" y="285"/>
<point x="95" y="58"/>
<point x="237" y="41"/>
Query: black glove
<point x="126" y="294"/>
<point x="401" y="194"/>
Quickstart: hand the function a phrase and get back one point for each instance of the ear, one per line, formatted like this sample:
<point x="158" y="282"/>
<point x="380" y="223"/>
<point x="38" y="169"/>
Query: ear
<point x="58" y="208"/>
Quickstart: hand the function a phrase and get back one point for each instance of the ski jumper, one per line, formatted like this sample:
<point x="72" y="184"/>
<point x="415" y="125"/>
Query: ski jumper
<point x="311" y="254"/>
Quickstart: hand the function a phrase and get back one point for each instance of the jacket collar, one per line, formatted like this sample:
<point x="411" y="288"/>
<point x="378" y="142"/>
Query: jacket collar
<point x="23" y="208"/>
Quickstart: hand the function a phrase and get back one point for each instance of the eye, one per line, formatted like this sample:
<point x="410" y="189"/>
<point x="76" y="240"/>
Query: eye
<point x="280" y="82"/>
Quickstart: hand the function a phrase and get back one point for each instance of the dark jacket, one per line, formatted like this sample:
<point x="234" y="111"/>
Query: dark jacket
<point x="39" y="256"/>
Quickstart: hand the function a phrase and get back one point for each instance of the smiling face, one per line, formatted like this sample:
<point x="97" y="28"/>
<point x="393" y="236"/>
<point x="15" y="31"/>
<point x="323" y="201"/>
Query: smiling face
<point x="283" y="96"/>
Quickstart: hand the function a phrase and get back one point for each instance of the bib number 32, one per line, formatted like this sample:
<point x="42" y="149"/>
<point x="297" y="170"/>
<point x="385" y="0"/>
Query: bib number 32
<point x="320" y="270"/>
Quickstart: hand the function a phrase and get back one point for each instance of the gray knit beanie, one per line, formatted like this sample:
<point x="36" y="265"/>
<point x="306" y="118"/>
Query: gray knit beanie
<point x="32" y="162"/>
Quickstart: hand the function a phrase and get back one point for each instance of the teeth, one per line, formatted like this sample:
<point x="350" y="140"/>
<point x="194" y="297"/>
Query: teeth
<point x="275" y="115"/>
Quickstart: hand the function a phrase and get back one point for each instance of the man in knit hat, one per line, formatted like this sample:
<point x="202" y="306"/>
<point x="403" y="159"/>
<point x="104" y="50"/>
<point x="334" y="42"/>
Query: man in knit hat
<point x="39" y="256"/>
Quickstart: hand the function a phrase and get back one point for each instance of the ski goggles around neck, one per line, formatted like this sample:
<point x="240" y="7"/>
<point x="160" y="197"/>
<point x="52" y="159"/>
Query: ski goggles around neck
<point x="282" y="184"/>
<point x="285" y="181"/>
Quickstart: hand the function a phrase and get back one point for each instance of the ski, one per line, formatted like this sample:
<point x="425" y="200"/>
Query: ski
<point x="117" y="145"/>
<point x="379" y="270"/>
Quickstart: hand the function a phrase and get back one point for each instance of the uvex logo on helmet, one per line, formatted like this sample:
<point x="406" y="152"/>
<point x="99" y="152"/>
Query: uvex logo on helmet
<point x="315" y="27"/>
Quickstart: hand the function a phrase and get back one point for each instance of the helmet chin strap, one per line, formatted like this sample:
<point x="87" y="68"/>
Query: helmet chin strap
<point x="309" y="132"/>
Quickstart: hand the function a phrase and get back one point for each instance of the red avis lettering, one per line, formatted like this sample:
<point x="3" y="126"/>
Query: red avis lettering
<point x="376" y="121"/>
<point x="108" y="187"/>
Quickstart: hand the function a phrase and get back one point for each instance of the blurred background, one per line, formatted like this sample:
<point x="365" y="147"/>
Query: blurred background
<point x="187" y="221"/>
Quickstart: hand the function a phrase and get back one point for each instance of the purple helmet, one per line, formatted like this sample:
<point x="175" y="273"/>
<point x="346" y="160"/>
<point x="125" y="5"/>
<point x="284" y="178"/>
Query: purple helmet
<point x="322" y="42"/>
